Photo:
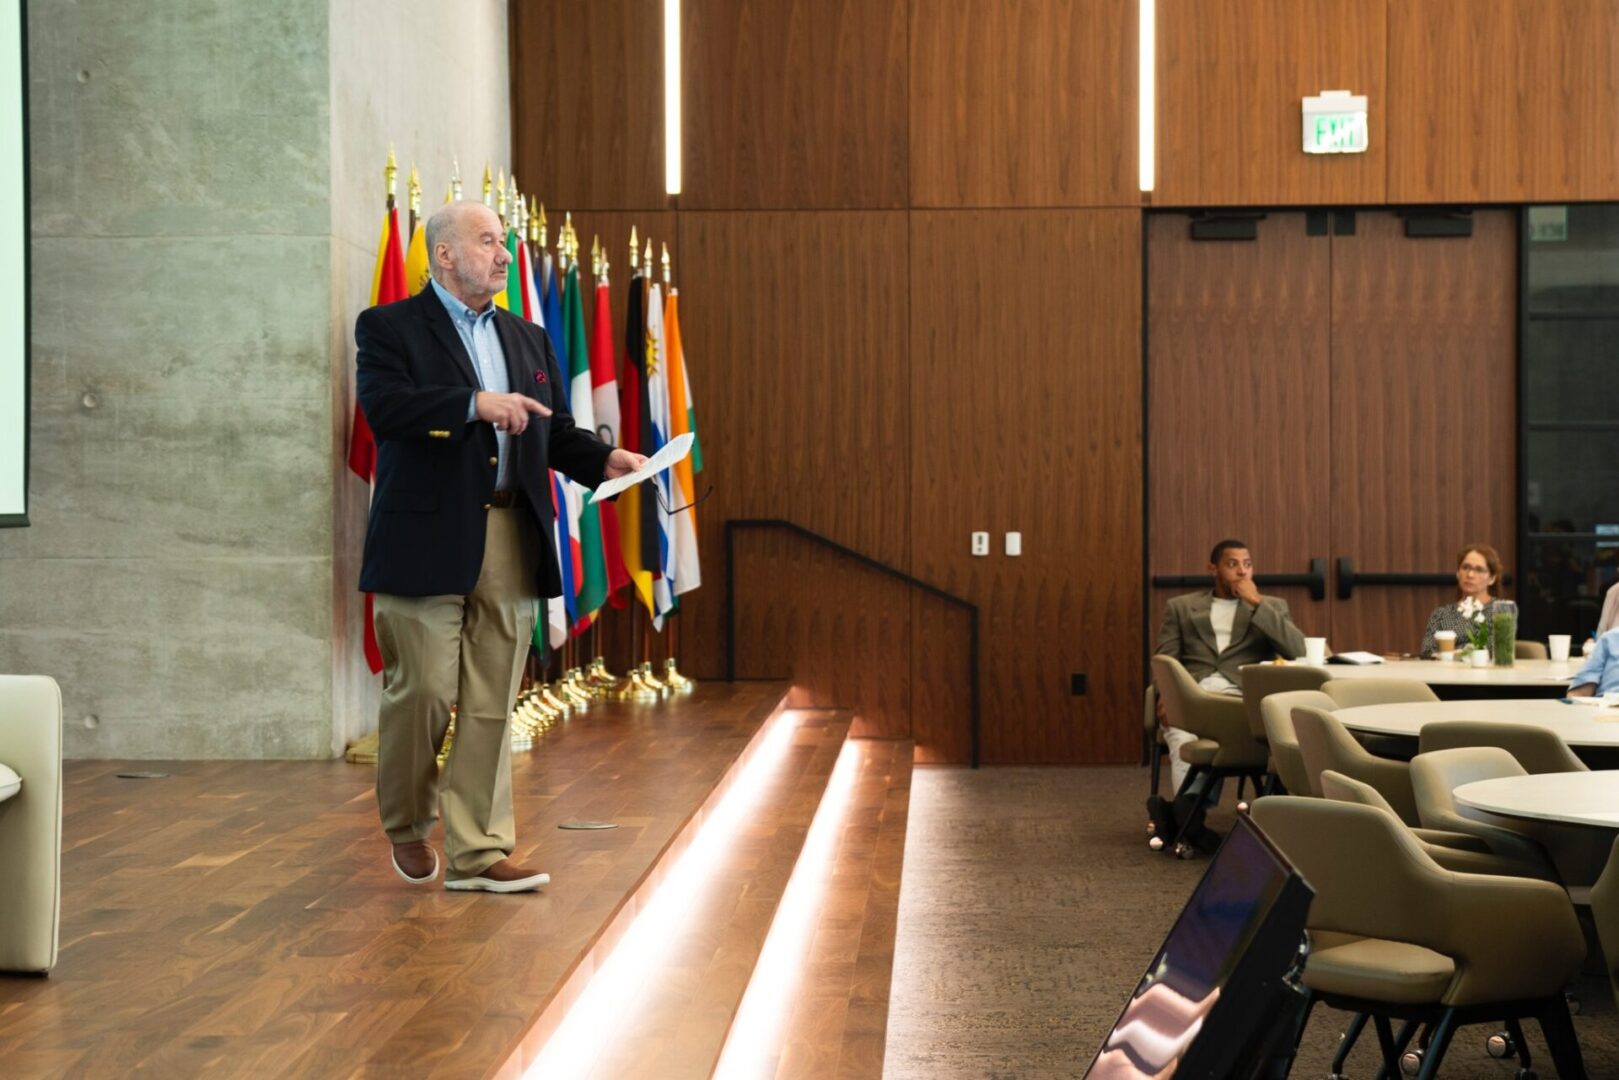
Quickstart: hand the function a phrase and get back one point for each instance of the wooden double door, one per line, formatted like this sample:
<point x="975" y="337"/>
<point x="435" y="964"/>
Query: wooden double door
<point x="1331" y="388"/>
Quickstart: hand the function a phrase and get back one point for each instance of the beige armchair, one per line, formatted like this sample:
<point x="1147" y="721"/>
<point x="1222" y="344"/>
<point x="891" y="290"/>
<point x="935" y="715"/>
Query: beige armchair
<point x="1224" y="747"/>
<point x="1434" y="780"/>
<point x="1260" y="681"/>
<point x="1325" y="744"/>
<point x="1218" y="720"/>
<point x="1461" y="852"/>
<point x="1286" y="758"/>
<point x="1352" y="693"/>
<point x="30" y="822"/>
<point x="1416" y="941"/>
<point x="1605" y="914"/>
<point x="1537" y="749"/>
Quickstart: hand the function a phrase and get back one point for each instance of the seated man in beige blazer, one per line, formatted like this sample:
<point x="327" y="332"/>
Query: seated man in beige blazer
<point x="1214" y="633"/>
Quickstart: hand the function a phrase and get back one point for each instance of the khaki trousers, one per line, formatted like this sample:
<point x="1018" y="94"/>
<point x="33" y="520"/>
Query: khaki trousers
<point x="468" y="651"/>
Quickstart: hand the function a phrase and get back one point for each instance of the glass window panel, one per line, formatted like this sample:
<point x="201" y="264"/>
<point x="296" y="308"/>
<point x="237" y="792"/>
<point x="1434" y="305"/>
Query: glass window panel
<point x="1580" y="273"/>
<point x="1563" y="584"/>
<point x="1571" y="370"/>
<point x="1572" y="480"/>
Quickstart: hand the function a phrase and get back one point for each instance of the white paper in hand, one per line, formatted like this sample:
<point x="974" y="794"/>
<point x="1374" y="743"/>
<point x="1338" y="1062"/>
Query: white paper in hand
<point x="673" y="451"/>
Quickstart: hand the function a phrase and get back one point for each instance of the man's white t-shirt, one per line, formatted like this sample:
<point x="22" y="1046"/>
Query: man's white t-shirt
<point x="1223" y="616"/>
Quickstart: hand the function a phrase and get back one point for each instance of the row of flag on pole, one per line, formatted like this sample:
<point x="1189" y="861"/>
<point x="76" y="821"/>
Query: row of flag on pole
<point x="638" y="397"/>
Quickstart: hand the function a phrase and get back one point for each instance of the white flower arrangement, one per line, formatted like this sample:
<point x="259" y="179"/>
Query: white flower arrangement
<point x="1478" y="627"/>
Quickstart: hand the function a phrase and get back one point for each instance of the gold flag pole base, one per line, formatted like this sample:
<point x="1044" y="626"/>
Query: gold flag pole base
<point x="650" y="680"/>
<point x="675" y="680"/>
<point x="635" y="688"/>
<point x="362" y="751"/>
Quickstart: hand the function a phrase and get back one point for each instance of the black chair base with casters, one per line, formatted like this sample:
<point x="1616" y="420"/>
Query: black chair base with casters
<point x="1179" y="823"/>
<point x="1438" y="1027"/>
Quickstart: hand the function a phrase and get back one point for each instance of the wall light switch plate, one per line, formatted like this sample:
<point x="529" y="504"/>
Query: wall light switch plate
<point x="1014" y="543"/>
<point x="980" y="543"/>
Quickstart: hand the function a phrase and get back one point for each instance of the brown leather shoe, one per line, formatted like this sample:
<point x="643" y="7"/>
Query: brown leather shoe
<point x="416" y="862"/>
<point x="505" y="876"/>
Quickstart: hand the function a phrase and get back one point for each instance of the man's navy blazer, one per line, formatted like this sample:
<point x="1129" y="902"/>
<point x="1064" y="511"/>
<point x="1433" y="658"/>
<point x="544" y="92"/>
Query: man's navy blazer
<point x="436" y="471"/>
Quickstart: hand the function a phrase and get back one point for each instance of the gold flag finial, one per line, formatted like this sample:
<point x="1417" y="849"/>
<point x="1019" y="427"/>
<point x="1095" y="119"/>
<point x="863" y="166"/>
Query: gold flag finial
<point x="520" y="217"/>
<point x="533" y="221"/>
<point x="665" y="265"/>
<point x="646" y="259"/>
<point x="569" y="241"/>
<point x="543" y="240"/>
<point x="515" y="201"/>
<point x="389" y="172"/>
<point x="500" y="194"/>
<point x="488" y="185"/>
<point x="595" y="256"/>
<point x="635" y="253"/>
<point x="455" y="180"/>
<point x="414" y="188"/>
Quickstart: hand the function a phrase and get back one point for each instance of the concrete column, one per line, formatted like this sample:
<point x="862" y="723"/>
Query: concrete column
<point x="206" y="198"/>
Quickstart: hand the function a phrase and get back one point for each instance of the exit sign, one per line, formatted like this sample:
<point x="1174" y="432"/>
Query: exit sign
<point x="1335" y="123"/>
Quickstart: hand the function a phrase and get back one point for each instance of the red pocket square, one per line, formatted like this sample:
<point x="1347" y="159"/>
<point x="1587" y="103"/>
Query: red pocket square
<point x="539" y="376"/>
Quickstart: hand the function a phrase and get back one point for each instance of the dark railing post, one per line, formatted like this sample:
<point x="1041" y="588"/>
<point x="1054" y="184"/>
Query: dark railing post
<point x="730" y="602"/>
<point x="735" y="524"/>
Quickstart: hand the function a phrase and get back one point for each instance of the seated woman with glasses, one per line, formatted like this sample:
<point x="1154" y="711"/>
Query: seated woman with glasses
<point x="1478" y="568"/>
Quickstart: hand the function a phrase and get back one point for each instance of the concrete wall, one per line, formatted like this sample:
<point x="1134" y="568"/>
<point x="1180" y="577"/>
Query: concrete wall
<point x="205" y="205"/>
<point x="430" y="79"/>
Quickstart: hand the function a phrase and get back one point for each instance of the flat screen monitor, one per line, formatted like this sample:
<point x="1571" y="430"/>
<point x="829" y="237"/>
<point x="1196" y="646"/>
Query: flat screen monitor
<point x="1220" y="995"/>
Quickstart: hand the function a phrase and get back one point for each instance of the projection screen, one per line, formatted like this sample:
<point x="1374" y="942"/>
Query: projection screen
<point x="13" y="266"/>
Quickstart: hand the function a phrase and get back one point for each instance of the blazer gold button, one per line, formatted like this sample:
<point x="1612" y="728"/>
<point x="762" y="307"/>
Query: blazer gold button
<point x="494" y="461"/>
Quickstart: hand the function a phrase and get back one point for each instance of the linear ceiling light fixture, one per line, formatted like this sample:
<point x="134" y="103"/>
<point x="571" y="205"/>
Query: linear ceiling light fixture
<point x="671" y="96"/>
<point x="1147" y="91"/>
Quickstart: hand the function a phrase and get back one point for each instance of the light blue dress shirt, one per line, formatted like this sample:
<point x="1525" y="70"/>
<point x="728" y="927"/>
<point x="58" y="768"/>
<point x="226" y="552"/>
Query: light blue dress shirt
<point x="477" y="330"/>
<point x="1602" y="667"/>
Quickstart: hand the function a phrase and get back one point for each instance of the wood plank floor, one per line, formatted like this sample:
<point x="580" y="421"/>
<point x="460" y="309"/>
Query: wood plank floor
<point x="678" y="1027"/>
<point x="242" y="919"/>
<point x="836" y="1013"/>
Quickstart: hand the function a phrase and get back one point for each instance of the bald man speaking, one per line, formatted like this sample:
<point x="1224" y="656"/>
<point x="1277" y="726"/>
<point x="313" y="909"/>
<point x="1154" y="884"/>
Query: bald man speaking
<point x="462" y="398"/>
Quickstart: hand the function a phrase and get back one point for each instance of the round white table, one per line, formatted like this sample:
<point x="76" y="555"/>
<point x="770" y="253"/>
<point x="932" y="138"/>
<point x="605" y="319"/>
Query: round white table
<point x="1588" y="798"/>
<point x="1523" y="673"/>
<point x="1579" y="725"/>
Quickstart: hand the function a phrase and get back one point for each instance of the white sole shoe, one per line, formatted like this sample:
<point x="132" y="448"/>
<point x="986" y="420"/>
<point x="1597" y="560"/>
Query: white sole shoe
<point x="416" y="880"/>
<point x="482" y="884"/>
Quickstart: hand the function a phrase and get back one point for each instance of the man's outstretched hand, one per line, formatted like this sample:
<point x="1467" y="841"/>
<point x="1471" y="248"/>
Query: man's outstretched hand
<point x="508" y="412"/>
<point x="621" y="462"/>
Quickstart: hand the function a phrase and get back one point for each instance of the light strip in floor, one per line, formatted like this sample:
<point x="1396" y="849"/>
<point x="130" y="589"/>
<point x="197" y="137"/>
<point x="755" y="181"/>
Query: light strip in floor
<point x="752" y="1046"/>
<point x="617" y="985"/>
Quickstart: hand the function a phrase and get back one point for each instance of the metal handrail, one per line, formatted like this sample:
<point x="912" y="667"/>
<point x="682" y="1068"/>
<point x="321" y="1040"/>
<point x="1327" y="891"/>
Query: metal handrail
<point x="735" y="525"/>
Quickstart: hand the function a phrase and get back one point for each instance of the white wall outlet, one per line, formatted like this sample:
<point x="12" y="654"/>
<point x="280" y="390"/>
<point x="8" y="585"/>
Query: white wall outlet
<point x="980" y="543"/>
<point x="1014" y="544"/>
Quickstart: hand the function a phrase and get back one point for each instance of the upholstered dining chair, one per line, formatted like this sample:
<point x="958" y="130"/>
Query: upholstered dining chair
<point x="1420" y="943"/>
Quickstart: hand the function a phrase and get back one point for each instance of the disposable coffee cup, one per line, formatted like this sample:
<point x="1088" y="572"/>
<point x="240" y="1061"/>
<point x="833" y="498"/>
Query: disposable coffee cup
<point x="1444" y="642"/>
<point x="1557" y="645"/>
<point x="1315" y="650"/>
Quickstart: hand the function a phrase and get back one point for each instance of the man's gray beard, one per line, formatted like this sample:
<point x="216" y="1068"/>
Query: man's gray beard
<point x="467" y="285"/>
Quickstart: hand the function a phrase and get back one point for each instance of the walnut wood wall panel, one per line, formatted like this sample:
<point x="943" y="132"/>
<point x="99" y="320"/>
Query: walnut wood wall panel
<point x="1503" y="100"/>
<point x="794" y="104"/>
<point x="1238" y="353"/>
<point x="801" y="371"/>
<point x="587" y="103"/>
<point x="1023" y="103"/>
<point x="1424" y="425"/>
<point x="1230" y="79"/>
<point x="1027" y="416"/>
